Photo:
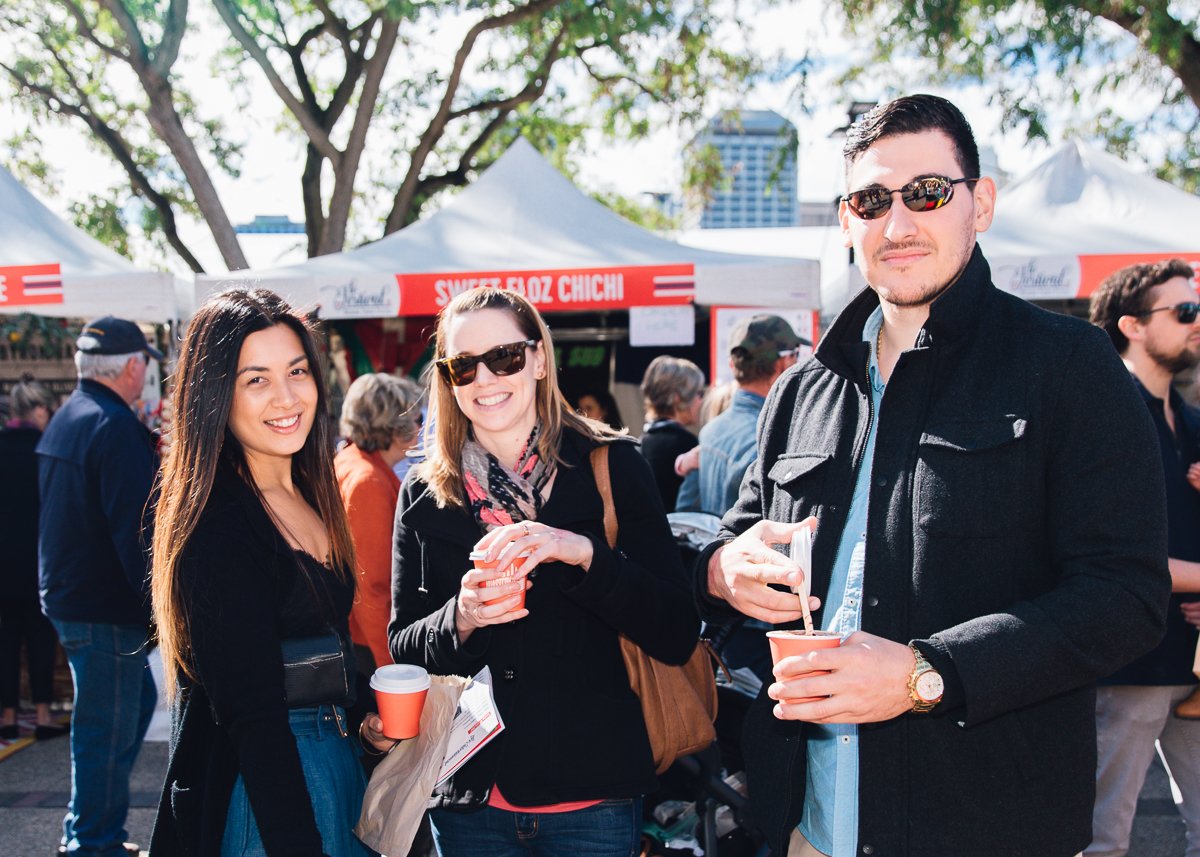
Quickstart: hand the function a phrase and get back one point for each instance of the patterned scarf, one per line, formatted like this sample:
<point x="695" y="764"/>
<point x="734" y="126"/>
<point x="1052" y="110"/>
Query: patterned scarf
<point x="499" y="496"/>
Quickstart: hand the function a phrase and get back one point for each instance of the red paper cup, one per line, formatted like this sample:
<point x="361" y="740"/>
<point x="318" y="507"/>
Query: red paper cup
<point x="786" y="644"/>
<point x="400" y="691"/>
<point x="513" y="572"/>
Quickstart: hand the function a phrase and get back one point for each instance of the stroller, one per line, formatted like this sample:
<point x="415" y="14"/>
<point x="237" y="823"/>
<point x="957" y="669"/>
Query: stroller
<point x="701" y="806"/>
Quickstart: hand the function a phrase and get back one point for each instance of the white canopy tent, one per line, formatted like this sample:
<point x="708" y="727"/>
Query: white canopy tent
<point x="1080" y="215"/>
<point x="52" y="268"/>
<point x="523" y="225"/>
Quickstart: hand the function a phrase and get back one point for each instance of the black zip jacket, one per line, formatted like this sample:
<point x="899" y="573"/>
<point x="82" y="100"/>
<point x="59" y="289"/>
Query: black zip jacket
<point x="1016" y="533"/>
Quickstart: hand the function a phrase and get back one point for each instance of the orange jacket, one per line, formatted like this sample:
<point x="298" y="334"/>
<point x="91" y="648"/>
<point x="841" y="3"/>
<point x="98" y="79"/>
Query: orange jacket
<point x="369" y="491"/>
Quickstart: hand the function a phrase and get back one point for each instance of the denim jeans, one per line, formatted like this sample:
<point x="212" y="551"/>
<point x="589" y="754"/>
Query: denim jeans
<point x="609" y="829"/>
<point x="335" y="782"/>
<point x="114" y="699"/>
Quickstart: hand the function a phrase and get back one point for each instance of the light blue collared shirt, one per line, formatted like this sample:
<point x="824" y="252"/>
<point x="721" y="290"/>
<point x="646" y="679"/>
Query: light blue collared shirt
<point x="830" y="819"/>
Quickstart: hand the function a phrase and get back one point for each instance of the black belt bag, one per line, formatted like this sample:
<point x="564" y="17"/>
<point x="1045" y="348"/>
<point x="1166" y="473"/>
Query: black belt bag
<point x="316" y="670"/>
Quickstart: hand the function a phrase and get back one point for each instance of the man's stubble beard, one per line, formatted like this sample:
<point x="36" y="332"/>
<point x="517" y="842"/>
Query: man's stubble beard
<point x="1183" y="359"/>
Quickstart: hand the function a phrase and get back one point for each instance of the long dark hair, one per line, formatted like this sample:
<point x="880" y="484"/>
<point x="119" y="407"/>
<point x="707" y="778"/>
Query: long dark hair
<point x="200" y="440"/>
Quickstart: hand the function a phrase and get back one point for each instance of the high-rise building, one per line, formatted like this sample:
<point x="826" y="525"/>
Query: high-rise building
<point x="757" y="149"/>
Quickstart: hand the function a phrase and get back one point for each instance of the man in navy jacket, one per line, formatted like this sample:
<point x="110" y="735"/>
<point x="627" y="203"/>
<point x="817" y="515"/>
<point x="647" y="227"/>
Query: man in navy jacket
<point x="96" y="465"/>
<point x="990" y="536"/>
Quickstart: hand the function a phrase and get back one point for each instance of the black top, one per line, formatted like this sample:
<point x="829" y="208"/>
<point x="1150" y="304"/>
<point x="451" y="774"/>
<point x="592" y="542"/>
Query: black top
<point x="96" y="467"/>
<point x="248" y="589"/>
<point x="662" y="442"/>
<point x="1171" y="661"/>
<point x="573" y="727"/>
<point x="18" y="513"/>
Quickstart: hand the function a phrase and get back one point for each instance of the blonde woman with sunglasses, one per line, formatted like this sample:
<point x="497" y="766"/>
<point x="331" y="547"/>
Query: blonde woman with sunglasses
<point x="508" y="475"/>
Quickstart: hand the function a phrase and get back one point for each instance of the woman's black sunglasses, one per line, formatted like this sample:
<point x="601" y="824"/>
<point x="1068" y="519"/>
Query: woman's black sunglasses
<point x="924" y="194"/>
<point x="1185" y="313"/>
<point x="501" y="360"/>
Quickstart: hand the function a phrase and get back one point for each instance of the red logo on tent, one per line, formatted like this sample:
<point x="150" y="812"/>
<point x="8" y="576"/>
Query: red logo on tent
<point x="559" y="289"/>
<point x="27" y="285"/>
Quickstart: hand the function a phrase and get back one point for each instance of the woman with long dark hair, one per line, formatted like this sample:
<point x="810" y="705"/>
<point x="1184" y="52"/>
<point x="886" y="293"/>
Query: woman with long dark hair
<point x="251" y="550"/>
<point x="507" y="474"/>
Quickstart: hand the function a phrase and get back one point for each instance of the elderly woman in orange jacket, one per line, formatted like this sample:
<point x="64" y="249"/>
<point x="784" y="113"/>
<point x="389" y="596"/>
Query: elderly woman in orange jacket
<point x="381" y="417"/>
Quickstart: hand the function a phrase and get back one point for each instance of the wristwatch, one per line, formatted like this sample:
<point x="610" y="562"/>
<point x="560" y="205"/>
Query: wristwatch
<point x="925" y="685"/>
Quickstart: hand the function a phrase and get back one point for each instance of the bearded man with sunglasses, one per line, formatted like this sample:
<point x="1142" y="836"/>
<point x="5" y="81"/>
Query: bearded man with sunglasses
<point x="1150" y="314"/>
<point x="990" y="536"/>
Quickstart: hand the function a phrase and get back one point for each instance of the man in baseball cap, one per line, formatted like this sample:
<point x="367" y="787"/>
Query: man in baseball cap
<point x="96" y="465"/>
<point x="111" y="335"/>
<point x="761" y="347"/>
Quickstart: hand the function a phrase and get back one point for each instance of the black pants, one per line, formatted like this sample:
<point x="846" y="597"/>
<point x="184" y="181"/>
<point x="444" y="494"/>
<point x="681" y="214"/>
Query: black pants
<point x="22" y="619"/>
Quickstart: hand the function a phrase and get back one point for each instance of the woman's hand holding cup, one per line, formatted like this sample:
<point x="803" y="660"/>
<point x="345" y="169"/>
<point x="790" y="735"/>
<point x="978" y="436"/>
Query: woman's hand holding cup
<point x="537" y="543"/>
<point x="489" y="595"/>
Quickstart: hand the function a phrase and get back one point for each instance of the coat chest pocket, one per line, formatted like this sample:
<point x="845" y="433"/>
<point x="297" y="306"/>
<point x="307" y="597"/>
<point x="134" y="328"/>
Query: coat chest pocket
<point x="969" y="479"/>
<point x="796" y="481"/>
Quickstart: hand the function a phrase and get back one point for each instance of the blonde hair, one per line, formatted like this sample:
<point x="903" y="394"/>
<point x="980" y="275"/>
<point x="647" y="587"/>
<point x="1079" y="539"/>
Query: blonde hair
<point x="380" y="408"/>
<point x="442" y="467"/>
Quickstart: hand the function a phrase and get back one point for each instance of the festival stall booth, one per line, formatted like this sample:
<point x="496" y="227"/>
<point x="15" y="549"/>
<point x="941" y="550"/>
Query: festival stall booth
<point x="53" y="270"/>
<point x="1081" y="214"/>
<point x="615" y="295"/>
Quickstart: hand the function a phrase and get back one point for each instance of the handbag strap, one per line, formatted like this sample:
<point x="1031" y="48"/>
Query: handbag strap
<point x="600" y="473"/>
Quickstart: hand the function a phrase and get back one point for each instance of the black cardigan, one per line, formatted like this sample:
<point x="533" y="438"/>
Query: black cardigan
<point x="245" y="595"/>
<point x="574" y="729"/>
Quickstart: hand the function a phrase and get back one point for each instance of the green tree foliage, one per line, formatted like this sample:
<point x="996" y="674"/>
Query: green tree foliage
<point x="352" y="78"/>
<point x="1085" y="61"/>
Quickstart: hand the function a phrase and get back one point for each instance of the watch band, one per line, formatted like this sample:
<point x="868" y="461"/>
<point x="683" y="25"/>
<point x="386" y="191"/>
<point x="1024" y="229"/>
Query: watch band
<point x="921" y="704"/>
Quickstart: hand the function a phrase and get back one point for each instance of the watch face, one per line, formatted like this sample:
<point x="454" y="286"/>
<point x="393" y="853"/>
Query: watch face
<point x="930" y="686"/>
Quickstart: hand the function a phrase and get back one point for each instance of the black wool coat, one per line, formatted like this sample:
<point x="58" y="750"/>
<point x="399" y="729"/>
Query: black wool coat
<point x="1016" y="532"/>
<point x="246" y="592"/>
<point x="574" y="728"/>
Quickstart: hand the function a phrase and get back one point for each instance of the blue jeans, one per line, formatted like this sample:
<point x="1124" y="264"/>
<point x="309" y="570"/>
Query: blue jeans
<point x="114" y="699"/>
<point x="335" y="781"/>
<point x="612" y="828"/>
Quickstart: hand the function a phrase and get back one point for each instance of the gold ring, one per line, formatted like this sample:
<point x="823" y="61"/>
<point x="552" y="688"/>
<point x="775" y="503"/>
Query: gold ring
<point x="525" y="526"/>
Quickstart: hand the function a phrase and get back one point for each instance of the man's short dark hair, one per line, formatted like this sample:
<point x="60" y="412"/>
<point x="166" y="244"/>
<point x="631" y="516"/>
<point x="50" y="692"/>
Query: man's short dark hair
<point x="914" y="114"/>
<point x="1129" y="292"/>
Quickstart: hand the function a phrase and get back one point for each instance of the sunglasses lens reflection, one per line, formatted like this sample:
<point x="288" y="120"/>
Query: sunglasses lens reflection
<point x="924" y="194"/>
<point x="501" y="360"/>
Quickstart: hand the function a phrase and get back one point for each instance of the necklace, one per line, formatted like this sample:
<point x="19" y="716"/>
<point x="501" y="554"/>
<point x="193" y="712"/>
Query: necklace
<point x="879" y="346"/>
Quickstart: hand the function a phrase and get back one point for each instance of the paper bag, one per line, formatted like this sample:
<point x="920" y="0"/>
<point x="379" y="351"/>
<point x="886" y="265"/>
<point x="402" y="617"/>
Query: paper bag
<point x="401" y="784"/>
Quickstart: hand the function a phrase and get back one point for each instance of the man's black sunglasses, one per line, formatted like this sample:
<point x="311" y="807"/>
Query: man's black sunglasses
<point x="924" y="194"/>
<point x="1185" y="313"/>
<point x="502" y="360"/>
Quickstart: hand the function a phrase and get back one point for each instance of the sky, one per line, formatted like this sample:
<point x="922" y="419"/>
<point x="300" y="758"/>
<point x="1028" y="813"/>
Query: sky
<point x="268" y="183"/>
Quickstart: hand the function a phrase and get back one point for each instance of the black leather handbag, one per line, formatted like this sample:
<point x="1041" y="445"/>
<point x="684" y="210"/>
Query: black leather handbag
<point x="316" y="670"/>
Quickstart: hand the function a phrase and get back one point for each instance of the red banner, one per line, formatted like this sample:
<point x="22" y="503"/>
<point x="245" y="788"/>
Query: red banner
<point x="1093" y="269"/>
<point x="26" y="285"/>
<point x="557" y="290"/>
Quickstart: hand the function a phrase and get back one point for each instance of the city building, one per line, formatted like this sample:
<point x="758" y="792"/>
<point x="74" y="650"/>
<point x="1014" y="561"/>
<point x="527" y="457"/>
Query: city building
<point x="757" y="152"/>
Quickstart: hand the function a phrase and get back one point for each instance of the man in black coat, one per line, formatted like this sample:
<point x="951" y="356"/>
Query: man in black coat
<point x="990" y="536"/>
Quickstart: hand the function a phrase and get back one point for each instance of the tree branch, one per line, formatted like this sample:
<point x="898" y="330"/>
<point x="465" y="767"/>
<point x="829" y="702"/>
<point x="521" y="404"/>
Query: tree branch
<point x="312" y="127"/>
<point x="174" y="27"/>
<point x="86" y="29"/>
<point x="121" y="151"/>
<point x="437" y="125"/>
<point x="608" y="79"/>
<point x="343" y="189"/>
